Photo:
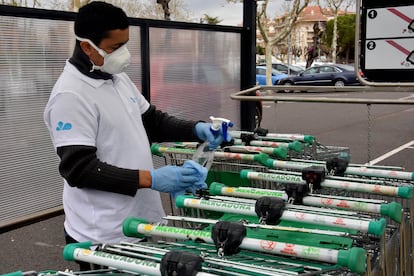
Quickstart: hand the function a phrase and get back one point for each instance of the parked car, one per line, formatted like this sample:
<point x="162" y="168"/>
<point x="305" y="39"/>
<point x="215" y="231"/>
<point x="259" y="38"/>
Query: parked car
<point x="295" y="69"/>
<point x="284" y="68"/>
<point x="328" y="74"/>
<point x="261" y="75"/>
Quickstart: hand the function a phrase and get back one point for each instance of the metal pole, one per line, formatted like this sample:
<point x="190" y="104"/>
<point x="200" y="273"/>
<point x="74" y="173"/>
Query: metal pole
<point x="289" y="51"/>
<point x="403" y="191"/>
<point x="312" y="216"/>
<point x="289" y="40"/>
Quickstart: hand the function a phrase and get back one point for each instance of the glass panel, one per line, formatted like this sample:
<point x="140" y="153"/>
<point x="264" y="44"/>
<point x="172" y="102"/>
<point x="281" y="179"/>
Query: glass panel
<point x="32" y="55"/>
<point x="193" y="73"/>
<point x="134" y="69"/>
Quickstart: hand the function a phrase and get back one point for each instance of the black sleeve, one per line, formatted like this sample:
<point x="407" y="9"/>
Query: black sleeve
<point x="162" y="127"/>
<point x="81" y="168"/>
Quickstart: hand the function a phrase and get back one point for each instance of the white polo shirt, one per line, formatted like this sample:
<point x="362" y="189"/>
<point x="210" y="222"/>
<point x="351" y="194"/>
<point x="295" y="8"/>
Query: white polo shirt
<point x="105" y="114"/>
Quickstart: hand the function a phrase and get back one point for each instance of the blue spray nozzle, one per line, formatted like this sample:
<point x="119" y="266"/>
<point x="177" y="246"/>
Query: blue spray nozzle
<point x="204" y="155"/>
<point x="224" y="127"/>
<point x="216" y="123"/>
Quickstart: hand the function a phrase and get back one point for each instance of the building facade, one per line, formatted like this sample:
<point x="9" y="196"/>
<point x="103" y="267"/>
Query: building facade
<point x="301" y="37"/>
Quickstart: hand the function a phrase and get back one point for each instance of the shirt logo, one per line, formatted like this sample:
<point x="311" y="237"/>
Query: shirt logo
<point x="133" y="99"/>
<point x="63" y="126"/>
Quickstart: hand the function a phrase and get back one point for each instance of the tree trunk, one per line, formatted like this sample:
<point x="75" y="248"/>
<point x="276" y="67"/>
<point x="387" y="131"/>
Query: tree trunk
<point x="268" y="56"/>
<point x="76" y="5"/>
<point x="335" y="37"/>
<point x="348" y="49"/>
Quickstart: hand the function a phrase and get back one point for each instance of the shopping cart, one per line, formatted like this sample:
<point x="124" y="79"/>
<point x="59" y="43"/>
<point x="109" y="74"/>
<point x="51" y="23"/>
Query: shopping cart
<point x="386" y="254"/>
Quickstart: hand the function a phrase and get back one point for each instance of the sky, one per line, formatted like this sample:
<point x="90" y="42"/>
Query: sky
<point x="229" y="13"/>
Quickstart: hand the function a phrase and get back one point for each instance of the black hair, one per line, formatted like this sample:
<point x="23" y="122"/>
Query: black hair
<point x="97" y="18"/>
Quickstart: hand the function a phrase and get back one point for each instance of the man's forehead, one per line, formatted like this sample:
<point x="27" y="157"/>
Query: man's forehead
<point x="117" y="37"/>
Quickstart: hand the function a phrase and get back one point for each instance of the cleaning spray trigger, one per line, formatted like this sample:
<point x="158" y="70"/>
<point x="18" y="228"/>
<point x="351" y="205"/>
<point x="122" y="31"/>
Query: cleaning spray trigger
<point x="204" y="155"/>
<point x="216" y="123"/>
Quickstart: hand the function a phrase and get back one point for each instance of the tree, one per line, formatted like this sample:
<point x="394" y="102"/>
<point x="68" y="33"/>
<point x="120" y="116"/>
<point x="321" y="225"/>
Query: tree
<point x="313" y="52"/>
<point x="260" y="50"/>
<point x="152" y="9"/>
<point x="283" y="30"/>
<point x="335" y="6"/>
<point x="210" y="20"/>
<point x="21" y="3"/>
<point x="177" y="10"/>
<point x="75" y="5"/>
<point x="345" y="34"/>
<point x="165" y="7"/>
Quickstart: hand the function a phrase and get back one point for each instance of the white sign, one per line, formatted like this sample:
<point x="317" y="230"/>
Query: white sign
<point x="390" y="22"/>
<point x="390" y="38"/>
<point x="390" y="54"/>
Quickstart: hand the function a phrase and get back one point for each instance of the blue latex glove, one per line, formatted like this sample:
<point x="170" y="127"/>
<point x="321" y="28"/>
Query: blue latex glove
<point x="203" y="132"/>
<point x="200" y="184"/>
<point x="171" y="179"/>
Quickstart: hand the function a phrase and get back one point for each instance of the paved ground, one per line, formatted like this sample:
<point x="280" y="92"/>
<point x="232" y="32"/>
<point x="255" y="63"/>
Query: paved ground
<point x="387" y="137"/>
<point x="36" y="247"/>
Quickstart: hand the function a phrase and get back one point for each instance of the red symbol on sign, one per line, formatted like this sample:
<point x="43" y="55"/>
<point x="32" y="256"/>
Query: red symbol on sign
<point x="410" y="55"/>
<point x="267" y="245"/>
<point x="398" y="47"/>
<point x="289" y="249"/>
<point x="400" y="15"/>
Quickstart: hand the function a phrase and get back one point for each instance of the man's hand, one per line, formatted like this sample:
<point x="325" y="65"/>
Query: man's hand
<point x="203" y="132"/>
<point x="173" y="179"/>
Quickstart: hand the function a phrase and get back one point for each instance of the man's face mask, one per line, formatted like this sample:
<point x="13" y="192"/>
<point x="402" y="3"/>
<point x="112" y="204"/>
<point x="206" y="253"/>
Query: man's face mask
<point x="115" y="62"/>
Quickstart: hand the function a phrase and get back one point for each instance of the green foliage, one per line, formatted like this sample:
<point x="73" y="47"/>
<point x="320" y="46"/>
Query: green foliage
<point x="260" y="50"/>
<point x="210" y="20"/>
<point x="346" y="32"/>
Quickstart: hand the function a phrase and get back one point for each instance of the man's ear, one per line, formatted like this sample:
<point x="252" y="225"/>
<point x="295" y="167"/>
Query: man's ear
<point x="86" y="48"/>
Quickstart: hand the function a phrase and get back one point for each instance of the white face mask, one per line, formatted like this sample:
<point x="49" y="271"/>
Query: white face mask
<point x="115" y="62"/>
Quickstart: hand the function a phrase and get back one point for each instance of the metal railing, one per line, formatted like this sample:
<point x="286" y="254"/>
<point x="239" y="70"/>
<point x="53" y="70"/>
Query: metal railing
<point x="269" y="94"/>
<point x="250" y="95"/>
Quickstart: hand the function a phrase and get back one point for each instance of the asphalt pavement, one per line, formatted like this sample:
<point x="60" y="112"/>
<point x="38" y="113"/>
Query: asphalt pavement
<point x="39" y="246"/>
<point x="36" y="247"/>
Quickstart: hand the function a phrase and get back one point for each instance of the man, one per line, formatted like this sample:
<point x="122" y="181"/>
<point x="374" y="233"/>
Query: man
<point x="101" y="127"/>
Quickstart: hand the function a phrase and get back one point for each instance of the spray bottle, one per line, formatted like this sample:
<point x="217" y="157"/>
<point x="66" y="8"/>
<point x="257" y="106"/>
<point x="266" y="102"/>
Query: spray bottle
<point x="203" y="155"/>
